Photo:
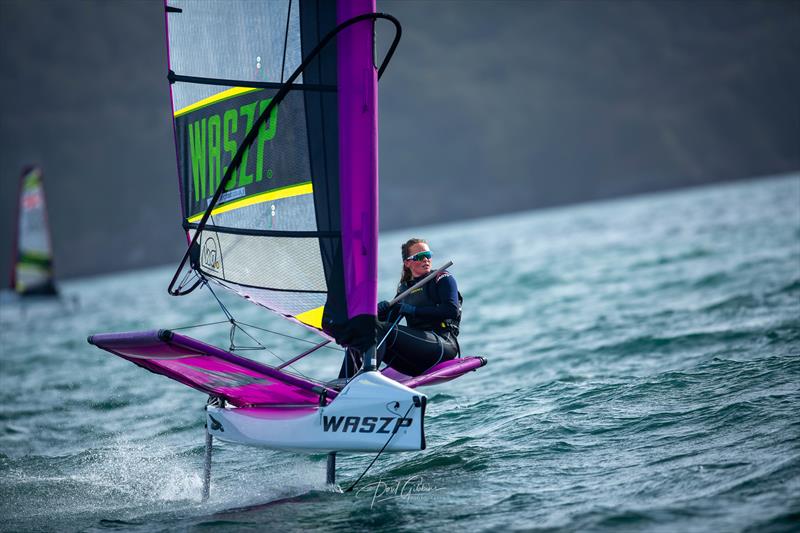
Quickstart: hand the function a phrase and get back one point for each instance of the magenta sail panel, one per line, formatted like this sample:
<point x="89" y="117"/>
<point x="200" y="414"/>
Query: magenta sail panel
<point x="240" y="381"/>
<point x="358" y="156"/>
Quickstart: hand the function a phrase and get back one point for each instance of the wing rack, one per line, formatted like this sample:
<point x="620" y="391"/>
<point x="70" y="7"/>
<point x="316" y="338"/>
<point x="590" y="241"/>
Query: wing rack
<point x="239" y="381"/>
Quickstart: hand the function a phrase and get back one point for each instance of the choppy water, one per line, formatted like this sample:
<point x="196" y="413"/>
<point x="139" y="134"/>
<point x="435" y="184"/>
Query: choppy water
<point x="644" y="374"/>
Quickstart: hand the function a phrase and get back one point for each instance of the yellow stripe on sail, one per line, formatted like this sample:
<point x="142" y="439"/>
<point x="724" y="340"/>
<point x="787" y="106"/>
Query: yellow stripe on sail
<point x="224" y="95"/>
<point x="312" y="318"/>
<point x="266" y="196"/>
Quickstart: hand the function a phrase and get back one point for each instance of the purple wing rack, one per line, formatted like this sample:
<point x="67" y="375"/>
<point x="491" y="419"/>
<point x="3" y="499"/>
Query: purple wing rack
<point x="240" y="381"/>
<point x="444" y="371"/>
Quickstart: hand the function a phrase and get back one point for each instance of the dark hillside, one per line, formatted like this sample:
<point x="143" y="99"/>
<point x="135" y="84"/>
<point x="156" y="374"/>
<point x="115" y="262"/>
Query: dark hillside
<point x="488" y="107"/>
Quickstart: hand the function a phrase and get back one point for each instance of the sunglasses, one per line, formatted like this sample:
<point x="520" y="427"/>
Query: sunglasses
<point x="420" y="256"/>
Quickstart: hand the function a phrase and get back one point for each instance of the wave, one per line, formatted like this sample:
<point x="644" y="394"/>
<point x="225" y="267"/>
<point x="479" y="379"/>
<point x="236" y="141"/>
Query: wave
<point x="466" y="457"/>
<point x="661" y="260"/>
<point x="652" y="344"/>
<point x="791" y="288"/>
<point x="734" y="303"/>
<point x="785" y="522"/>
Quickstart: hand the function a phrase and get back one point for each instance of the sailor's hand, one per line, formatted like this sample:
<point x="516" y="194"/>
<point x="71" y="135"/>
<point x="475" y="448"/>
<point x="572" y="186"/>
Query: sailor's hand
<point x="383" y="310"/>
<point x="407" y="309"/>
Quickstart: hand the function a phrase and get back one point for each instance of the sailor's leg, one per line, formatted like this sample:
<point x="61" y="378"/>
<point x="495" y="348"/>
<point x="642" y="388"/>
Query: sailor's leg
<point x="413" y="351"/>
<point x="207" y="466"/>
<point x="330" y="478"/>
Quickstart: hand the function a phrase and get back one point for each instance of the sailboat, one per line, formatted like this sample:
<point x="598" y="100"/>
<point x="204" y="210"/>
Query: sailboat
<point x="276" y="137"/>
<point x="32" y="258"/>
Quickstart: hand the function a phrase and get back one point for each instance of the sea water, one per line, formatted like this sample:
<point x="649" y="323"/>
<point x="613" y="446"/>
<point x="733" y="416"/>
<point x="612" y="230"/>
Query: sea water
<point x="644" y="375"/>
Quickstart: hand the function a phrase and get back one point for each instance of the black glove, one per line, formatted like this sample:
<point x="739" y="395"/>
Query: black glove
<point x="407" y="309"/>
<point x="383" y="310"/>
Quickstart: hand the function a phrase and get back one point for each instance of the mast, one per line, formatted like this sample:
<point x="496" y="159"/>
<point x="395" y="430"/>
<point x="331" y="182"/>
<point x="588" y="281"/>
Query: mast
<point x="358" y="169"/>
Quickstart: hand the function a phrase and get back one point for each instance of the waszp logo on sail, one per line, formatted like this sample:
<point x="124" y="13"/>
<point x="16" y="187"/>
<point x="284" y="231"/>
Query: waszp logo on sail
<point x="214" y="140"/>
<point x="210" y="254"/>
<point x="367" y="424"/>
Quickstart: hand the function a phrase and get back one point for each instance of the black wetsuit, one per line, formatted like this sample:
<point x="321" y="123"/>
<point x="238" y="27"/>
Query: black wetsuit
<point x="432" y="313"/>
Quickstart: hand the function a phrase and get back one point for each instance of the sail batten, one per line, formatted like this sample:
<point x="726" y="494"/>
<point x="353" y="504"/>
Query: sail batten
<point x="219" y="97"/>
<point x="288" y="191"/>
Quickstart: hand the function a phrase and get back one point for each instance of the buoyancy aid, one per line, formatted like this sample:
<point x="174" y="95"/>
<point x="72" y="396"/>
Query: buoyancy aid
<point x="428" y="295"/>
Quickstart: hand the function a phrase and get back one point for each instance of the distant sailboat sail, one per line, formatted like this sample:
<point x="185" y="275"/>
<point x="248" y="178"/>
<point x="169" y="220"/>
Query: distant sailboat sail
<point x="294" y="226"/>
<point x="32" y="269"/>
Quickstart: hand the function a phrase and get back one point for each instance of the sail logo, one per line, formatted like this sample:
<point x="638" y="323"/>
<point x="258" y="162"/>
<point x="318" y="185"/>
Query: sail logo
<point x="210" y="257"/>
<point x="367" y="424"/>
<point x="214" y="141"/>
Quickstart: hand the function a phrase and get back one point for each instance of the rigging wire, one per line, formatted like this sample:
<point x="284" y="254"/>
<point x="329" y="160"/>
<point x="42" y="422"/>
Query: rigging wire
<point x="235" y="325"/>
<point x="238" y="325"/>
<point x="200" y="325"/>
<point x="234" y="347"/>
<point x="410" y="407"/>
<point x="394" y="325"/>
<point x="190" y="274"/>
<point x="288" y="336"/>
<point x="227" y="313"/>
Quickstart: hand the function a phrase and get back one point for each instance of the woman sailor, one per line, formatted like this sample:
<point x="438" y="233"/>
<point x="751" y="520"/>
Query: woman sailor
<point x="432" y="313"/>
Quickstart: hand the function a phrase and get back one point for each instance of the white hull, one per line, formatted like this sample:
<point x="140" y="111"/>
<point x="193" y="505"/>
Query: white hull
<point x="369" y="412"/>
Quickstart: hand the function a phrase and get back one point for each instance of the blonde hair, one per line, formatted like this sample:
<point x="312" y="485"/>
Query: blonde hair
<point x="406" y="274"/>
